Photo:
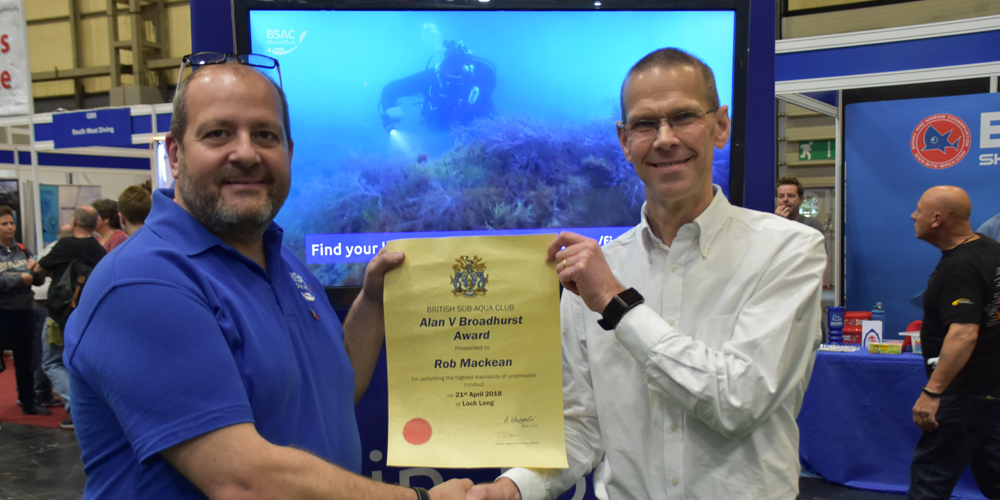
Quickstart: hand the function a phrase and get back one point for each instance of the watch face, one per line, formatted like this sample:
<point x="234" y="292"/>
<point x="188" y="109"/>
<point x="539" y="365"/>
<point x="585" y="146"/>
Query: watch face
<point x="629" y="297"/>
<point x="618" y="306"/>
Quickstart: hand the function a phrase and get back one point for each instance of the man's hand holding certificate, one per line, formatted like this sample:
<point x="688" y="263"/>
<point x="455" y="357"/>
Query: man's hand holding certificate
<point x="473" y="354"/>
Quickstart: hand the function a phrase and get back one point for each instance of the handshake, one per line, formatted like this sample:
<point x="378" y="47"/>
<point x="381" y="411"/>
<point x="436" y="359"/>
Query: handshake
<point x="464" y="489"/>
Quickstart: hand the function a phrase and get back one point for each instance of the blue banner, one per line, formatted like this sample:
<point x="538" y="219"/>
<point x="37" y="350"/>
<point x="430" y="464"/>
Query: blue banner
<point x="48" y="199"/>
<point x="101" y="127"/>
<point x="894" y="151"/>
<point x="361" y="247"/>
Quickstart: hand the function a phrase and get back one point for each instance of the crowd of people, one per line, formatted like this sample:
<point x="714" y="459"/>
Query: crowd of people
<point x="28" y="326"/>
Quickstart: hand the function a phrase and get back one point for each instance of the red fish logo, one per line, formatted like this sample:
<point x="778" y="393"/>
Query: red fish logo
<point x="940" y="141"/>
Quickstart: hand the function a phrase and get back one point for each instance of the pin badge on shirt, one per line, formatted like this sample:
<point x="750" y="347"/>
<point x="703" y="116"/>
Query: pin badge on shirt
<point x="314" y="314"/>
<point x="303" y="287"/>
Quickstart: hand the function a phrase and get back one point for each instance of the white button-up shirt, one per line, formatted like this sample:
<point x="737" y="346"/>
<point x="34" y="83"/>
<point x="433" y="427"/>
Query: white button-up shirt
<point x="695" y="393"/>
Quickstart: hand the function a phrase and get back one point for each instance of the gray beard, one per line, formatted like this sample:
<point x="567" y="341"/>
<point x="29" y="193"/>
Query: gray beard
<point x="227" y="223"/>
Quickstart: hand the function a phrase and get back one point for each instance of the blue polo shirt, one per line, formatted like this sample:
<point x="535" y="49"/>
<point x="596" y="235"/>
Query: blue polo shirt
<point x="177" y="335"/>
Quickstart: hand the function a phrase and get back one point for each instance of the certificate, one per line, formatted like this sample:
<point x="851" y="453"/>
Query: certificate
<point x="473" y="354"/>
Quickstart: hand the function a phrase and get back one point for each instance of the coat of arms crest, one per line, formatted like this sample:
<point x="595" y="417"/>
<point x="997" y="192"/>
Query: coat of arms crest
<point x="470" y="278"/>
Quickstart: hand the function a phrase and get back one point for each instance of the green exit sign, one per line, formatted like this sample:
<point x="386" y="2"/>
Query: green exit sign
<point x="816" y="150"/>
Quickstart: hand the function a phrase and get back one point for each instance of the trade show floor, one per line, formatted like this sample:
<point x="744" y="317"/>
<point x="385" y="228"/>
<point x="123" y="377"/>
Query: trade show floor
<point x="44" y="464"/>
<point x="40" y="463"/>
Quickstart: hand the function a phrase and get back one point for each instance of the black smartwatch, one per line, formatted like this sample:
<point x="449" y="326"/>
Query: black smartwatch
<point x="421" y="493"/>
<point x="619" y="305"/>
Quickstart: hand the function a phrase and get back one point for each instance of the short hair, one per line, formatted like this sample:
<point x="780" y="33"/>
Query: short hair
<point x="5" y="210"/>
<point x="108" y="209"/>
<point x="179" y="119"/>
<point x="791" y="181"/>
<point x="85" y="219"/>
<point x="668" y="58"/>
<point x="134" y="204"/>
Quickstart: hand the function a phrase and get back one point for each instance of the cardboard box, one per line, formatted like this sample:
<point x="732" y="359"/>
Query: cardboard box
<point x="854" y="318"/>
<point x="886" y="347"/>
<point x="852" y="338"/>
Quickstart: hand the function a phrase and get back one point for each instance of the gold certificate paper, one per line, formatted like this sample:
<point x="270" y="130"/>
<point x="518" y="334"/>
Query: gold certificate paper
<point x="473" y="354"/>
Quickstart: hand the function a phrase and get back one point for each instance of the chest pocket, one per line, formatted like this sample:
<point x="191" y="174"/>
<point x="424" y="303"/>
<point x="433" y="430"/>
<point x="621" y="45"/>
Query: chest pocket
<point x="716" y="330"/>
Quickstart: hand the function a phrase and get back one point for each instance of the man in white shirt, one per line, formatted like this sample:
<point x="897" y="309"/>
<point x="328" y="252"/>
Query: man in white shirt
<point x="690" y="384"/>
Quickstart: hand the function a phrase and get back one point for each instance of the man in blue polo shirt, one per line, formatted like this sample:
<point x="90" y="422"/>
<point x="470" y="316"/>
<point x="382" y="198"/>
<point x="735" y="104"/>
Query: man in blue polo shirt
<point x="205" y="360"/>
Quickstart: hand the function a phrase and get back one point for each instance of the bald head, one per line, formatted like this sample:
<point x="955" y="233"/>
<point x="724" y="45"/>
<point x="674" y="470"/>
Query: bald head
<point x="179" y="119"/>
<point x="942" y="216"/>
<point x="951" y="201"/>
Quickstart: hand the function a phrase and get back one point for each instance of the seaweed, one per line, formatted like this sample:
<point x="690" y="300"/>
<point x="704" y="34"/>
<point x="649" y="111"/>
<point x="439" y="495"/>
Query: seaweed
<point x="503" y="172"/>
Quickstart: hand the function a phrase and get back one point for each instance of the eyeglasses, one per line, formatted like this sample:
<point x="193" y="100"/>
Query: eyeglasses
<point x="679" y="122"/>
<point x="200" y="59"/>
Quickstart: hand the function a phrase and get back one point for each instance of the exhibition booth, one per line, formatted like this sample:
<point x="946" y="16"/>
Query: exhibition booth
<point x="856" y="423"/>
<point x="81" y="156"/>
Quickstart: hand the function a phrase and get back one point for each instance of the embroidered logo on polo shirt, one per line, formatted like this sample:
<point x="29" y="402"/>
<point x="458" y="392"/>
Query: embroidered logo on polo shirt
<point x="961" y="301"/>
<point x="303" y="287"/>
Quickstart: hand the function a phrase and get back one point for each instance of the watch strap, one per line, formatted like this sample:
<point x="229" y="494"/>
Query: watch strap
<point x="421" y="493"/>
<point x="619" y="305"/>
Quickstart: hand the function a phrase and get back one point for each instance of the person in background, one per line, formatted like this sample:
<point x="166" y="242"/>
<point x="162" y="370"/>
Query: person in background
<point x="790" y="197"/>
<point x="83" y="247"/>
<point x="686" y="385"/>
<point x="455" y="91"/>
<point x="108" y="227"/>
<point x="959" y="408"/>
<point x="133" y="207"/>
<point x="17" y="316"/>
<point x="205" y="361"/>
<point x="43" y="386"/>
<point x="991" y="228"/>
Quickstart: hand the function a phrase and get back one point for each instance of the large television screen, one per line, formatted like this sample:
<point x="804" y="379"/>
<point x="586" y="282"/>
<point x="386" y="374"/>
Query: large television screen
<point x="476" y="120"/>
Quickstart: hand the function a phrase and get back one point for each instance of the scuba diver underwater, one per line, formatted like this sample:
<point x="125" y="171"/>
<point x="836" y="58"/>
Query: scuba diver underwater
<point x="455" y="91"/>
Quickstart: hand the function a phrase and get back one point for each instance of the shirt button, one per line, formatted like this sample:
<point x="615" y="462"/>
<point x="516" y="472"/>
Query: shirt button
<point x="671" y="320"/>
<point x="673" y="268"/>
<point x="704" y="249"/>
<point x="674" y="482"/>
<point x="673" y="427"/>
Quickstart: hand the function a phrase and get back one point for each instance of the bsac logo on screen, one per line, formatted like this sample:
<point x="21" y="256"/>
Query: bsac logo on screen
<point x="942" y="140"/>
<point x="284" y="41"/>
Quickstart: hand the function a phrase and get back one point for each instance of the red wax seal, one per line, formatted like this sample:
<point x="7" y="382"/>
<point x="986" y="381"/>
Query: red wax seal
<point x="417" y="431"/>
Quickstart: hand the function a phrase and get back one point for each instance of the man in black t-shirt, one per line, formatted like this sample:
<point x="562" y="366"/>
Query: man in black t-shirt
<point x="81" y="247"/>
<point x="959" y="408"/>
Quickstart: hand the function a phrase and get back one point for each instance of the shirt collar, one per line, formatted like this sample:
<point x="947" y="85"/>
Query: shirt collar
<point x="709" y="223"/>
<point x="174" y="224"/>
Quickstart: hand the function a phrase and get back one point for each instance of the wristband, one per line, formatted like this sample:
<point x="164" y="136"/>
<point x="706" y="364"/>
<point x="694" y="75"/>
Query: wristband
<point x="929" y="393"/>
<point x="619" y="305"/>
<point x="421" y="493"/>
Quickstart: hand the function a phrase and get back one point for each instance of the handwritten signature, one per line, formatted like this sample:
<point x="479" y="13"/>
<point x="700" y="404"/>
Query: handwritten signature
<point x="518" y="420"/>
